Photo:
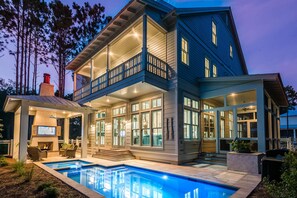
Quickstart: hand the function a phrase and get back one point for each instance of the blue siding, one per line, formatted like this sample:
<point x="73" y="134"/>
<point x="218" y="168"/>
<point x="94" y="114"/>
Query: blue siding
<point x="197" y="29"/>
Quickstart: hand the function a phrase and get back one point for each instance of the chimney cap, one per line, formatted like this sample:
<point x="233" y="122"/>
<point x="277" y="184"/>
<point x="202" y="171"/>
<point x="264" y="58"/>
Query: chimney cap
<point x="46" y="78"/>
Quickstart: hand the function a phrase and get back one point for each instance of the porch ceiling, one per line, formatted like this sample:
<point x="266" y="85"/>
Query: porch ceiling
<point x="125" y="94"/>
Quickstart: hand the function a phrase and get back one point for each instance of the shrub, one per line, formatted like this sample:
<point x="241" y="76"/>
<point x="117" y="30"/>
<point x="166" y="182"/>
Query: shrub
<point x="51" y="192"/>
<point x="287" y="186"/>
<point x="19" y="167"/>
<point x="3" y="161"/>
<point x="29" y="174"/>
<point x="240" y="146"/>
<point x="43" y="186"/>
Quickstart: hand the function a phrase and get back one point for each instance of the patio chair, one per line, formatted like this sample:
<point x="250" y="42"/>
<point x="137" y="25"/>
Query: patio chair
<point x="70" y="153"/>
<point x="35" y="153"/>
<point x="63" y="149"/>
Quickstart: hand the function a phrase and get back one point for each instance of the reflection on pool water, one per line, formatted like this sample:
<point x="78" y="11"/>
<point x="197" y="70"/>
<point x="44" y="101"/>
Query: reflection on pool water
<point x="127" y="181"/>
<point x="64" y="164"/>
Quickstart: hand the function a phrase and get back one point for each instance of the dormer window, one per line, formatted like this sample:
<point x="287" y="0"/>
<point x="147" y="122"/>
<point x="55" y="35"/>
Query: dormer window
<point x="184" y="51"/>
<point x="231" y="51"/>
<point x="214" y="33"/>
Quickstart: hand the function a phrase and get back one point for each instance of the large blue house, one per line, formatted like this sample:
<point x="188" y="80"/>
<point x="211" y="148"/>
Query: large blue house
<point x="168" y="83"/>
<point x="163" y="83"/>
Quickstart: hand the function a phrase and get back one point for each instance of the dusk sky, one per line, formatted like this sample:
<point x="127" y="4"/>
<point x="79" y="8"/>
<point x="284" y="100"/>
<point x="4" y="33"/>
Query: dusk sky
<point x="267" y="31"/>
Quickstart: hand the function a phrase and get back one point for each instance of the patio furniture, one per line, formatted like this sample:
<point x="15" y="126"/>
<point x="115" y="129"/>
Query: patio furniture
<point x="70" y="153"/>
<point x="63" y="149"/>
<point x="35" y="153"/>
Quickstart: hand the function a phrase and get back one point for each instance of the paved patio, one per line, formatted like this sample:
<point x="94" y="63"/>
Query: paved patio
<point x="212" y="173"/>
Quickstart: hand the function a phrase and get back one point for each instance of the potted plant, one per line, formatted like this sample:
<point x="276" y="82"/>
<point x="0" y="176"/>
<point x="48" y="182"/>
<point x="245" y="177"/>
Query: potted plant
<point x="240" y="146"/>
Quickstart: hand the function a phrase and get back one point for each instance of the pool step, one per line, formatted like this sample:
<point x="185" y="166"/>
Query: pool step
<point x="114" y="155"/>
<point x="213" y="158"/>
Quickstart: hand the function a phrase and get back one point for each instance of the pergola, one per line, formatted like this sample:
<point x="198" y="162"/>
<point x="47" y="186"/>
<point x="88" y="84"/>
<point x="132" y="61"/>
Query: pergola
<point x="51" y="108"/>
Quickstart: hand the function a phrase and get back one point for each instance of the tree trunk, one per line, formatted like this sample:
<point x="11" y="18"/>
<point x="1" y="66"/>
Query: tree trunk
<point x="29" y="62"/>
<point x="25" y="60"/>
<point x="22" y="51"/>
<point x="17" y="52"/>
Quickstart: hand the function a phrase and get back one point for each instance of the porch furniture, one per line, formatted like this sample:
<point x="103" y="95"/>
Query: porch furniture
<point x="63" y="149"/>
<point x="35" y="153"/>
<point x="70" y="153"/>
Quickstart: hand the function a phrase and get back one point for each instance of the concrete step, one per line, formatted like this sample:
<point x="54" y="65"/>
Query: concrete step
<point x="114" y="155"/>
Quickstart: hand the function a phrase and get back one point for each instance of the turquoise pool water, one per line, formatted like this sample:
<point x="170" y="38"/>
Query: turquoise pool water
<point x="64" y="164"/>
<point x="132" y="182"/>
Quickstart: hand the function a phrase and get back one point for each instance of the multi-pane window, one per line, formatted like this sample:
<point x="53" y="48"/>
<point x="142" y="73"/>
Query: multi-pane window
<point x="156" y="102"/>
<point x="214" y="33"/>
<point x="157" y="127"/>
<point x="184" y="51"/>
<point x="119" y="111"/>
<point x="208" y="121"/>
<point x="231" y="51"/>
<point x="145" y="105"/>
<point x="191" y="119"/>
<point x="135" y="107"/>
<point x="147" y="123"/>
<point x="214" y="71"/>
<point x="207" y="70"/>
<point x="101" y="115"/>
<point x="135" y="129"/>
<point x="230" y="122"/>
<point x="145" y="129"/>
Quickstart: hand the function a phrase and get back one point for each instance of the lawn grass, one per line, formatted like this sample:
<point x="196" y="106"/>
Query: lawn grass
<point x="17" y="184"/>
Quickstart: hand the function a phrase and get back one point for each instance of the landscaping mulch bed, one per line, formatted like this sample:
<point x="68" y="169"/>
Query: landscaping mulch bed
<point x="14" y="185"/>
<point x="259" y="192"/>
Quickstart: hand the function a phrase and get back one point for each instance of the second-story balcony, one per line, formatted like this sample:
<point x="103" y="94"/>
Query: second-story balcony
<point x="140" y="68"/>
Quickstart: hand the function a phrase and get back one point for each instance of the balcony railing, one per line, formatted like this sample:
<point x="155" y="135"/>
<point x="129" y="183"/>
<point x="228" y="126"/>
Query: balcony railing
<point x="125" y="70"/>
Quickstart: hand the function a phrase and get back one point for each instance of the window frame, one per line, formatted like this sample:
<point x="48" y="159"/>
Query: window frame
<point x="214" y="71"/>
<point x="206" y="69"/>
<point x="214" y="32"/>
<point x="185" y="51"/>
<point x="191" y="110"/>
<point x="230" y="51"/>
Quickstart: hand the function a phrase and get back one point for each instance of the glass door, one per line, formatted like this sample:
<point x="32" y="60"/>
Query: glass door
<point x="226" y="130"/>
<point x="119" y="132"/>
<point x="100" y="132"/>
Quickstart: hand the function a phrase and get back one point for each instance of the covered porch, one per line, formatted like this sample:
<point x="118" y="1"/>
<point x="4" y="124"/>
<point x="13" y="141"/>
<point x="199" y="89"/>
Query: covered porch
<point x="44" y="122"/>
<point x="243" y="107"/>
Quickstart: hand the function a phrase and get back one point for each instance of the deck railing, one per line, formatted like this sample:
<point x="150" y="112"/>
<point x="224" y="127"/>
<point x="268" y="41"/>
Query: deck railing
<point x="125" y="70"/>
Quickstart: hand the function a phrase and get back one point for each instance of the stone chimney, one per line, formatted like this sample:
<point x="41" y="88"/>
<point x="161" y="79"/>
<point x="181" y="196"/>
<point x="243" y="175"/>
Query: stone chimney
<point x="46" y="89"/>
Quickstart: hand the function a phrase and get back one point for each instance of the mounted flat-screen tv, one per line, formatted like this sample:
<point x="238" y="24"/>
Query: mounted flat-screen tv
<point x="46" y="130"/>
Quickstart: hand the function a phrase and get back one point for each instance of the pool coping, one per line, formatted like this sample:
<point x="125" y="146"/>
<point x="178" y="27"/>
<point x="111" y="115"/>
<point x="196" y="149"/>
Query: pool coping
<point x="245" y="185"/>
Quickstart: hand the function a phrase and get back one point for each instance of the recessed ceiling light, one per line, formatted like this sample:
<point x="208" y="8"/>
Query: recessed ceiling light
<point x="107" y="100"/>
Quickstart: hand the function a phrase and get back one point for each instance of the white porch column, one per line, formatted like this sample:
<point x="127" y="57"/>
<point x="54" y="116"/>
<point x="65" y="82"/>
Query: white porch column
<point x="24" y="117"/>
<point x="84" y="135"/>
<point x="16" y="134"/>
<point x="66" y="130"/>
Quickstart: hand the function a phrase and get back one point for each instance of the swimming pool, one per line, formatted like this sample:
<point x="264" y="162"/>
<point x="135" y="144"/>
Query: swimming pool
<point x="67" y="164"/>
<point x="128" y="181"/>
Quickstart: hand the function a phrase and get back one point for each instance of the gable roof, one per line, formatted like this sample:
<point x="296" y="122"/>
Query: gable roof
<point x="14" y="101"/>
<point x="134" y="8"/>
<point x="190" y="11"/>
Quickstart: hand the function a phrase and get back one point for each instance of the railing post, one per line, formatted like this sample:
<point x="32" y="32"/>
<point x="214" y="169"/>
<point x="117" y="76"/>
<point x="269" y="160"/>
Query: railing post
<point x="91" y="74"/>
<point x="144" y="42"/>
<point x="166" y="65"/>
<point x="107" y="65"/>
<point x="123" y="71"/>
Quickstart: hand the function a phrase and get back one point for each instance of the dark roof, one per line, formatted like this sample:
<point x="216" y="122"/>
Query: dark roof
<point x="272" y="83"/>
<point x="135" y="7"/>
<point x="12" y="102"/>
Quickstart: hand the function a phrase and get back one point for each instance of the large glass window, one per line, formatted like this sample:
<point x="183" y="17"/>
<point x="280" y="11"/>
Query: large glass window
<point x="214" y="33"/>
<point x="119" y="111"/>
<point x="135" y="130"/>
<point x="247" y="122"/>
<point x="147" y="123"/>
<point x="145" y="117"/>
<point x="207" y="70"/>
<point x="185" y="51"/>
<point x="208" y="121"/>
<point x="157" y="128"/>
<point x="191" y="119"/>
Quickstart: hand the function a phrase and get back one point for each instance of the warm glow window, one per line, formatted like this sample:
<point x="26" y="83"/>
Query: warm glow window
<point x="119" y="111"/>
<point x="207" y="69"/>
<point x="147" y="123"/>
<point x="208" y="121"/>
<point x="214" y="71"/>
<point x="191" y="119"/>
<point x="231" y="51"/>
<point x="185" y="51"/>
<point x="214" y="33"/>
